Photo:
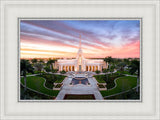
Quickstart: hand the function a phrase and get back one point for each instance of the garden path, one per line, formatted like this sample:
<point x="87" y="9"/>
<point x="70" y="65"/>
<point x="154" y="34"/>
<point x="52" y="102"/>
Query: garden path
<point x="79" y="88"/>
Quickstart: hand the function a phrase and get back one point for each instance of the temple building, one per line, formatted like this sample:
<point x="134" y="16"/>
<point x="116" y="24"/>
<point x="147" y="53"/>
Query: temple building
<point x="80" y="63"/>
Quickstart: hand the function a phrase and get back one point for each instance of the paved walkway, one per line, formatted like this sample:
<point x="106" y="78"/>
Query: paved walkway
<point x="79" y="88"/>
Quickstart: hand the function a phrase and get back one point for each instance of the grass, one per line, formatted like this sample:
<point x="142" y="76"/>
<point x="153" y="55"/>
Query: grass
<point x="130" y="95"/>
<point x="125" y="72"/>
<point x="36" y="83"/>
<point x="32" y="95"/>
<point x="123" y="84"/>
<point x="29" y="74"/>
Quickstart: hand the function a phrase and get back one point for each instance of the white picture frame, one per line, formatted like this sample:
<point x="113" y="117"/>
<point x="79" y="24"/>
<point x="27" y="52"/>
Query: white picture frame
<point x="147" y="109"/>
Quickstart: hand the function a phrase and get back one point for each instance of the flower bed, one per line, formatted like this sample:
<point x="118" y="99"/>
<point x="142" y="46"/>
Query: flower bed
<point x="58" y="86"/>
<point x="101" y="86"/>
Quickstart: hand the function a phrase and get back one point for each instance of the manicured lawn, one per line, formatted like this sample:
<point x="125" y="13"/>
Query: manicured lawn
<point x="130" y="95"/>
<point x="123" y="84"/>
<point x="124" y="72"/>
<point x="32" y="95"/>
<point x="36" y="83"/>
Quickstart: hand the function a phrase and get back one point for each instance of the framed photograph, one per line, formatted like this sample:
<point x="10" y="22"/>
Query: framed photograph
<point x="79" y="60"/>
<point x="72" y="61"/>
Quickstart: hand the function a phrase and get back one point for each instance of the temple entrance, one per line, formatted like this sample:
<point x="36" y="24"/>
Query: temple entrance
<point x="79" y="67"/>
<point x="86" y="68"/>
<point x="72" y="68"/>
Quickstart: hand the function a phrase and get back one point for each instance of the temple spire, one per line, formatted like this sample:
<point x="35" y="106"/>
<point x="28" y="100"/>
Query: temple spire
<point x="79" y="41"/>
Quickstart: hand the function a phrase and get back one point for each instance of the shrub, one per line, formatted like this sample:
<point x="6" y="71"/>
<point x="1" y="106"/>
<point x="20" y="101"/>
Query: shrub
<point x="58" y="85"/>
<point x="101" y="86"/>
<point x="97" y="71"/>
<point x="36" y="72"/>
<point x="63" y="72"/>
<point x="47" y="68"/>
<point x="54" y="70"/>
<point x="100" y="78"/>
<point x="104" y="70"/>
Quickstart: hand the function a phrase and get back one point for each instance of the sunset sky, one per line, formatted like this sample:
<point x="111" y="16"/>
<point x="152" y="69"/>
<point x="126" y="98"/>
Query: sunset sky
<point x="60" y="38"/>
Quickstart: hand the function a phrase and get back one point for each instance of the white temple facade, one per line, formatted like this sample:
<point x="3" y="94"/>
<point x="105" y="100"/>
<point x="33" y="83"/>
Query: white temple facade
<point x="80" y="63"/>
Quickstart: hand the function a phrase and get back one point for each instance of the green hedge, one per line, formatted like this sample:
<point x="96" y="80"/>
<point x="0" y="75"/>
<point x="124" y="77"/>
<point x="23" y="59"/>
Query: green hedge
<point x="63" y="72"/>
<point x="100" y="78"/>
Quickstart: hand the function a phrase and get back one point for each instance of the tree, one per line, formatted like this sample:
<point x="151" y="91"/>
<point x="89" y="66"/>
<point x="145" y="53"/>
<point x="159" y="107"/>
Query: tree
<point x="34" y="60"/>
<point x="121" y="65"/>
<point x="39" y="66"/>
<point x="126" y="61"/>
<point x="41" y="61"/>
<point x="135" y="67"/>
<point x="50" y="62"/>
<point x="106" y="78"/>
<point x="54" y="70"/>
<point x="25" y="67"/>
<point x="104" y="70"/>
<point x="112" y="68"/>
<point x="47" y="68"/>
<point x="108" y="60"/>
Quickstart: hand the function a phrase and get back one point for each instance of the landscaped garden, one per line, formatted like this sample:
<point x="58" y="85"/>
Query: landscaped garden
<point x="47" y="84"/>
<point x="37" y="83"/>
<point x="108" y="78"/>
<point x="51" y="79"/>
<point x="122" y="84"/>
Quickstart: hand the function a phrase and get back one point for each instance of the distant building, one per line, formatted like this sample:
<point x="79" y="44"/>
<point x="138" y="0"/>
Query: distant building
<point x="80" y="63"/>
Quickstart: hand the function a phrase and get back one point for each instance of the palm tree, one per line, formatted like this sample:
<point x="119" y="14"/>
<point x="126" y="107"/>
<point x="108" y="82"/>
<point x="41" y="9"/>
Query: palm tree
<point x="39" y="66"/>
<point x="121" y="65"/>
<point x="41" y="61"/>
<point x="112" y="68"/>
<point x="50" y="62"/>
<point x="135" y="67"/>
<point x="108" y="60"/>
<point x="25" y="67"/>
<point x="47" y="68"/>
